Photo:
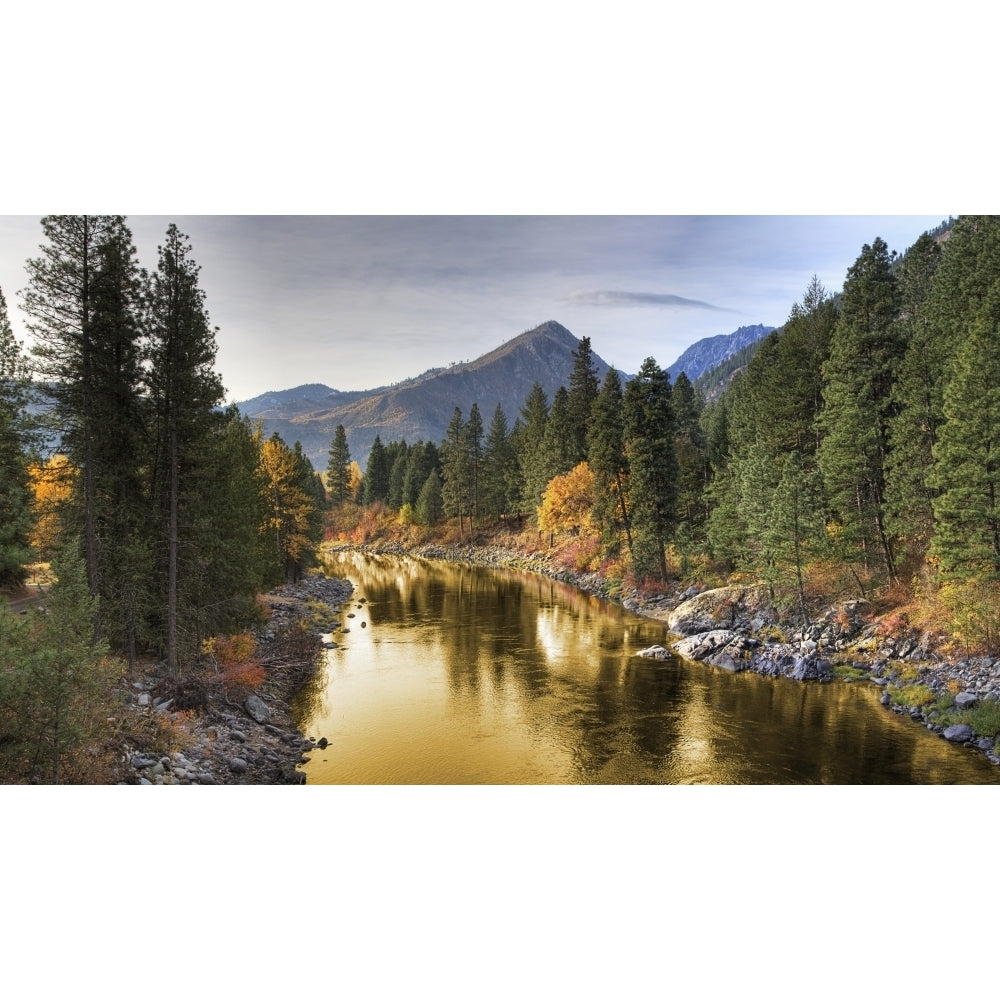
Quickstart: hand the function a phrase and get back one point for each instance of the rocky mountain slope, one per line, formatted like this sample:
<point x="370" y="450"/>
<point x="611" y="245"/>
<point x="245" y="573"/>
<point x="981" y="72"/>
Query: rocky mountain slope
<point x="420" y="408"/>
<point x="710" y="351"/>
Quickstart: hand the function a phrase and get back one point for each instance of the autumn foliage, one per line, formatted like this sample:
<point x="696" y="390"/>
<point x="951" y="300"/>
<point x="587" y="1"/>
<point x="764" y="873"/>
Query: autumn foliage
<point x="568" y="502"/>
<point x="241" y="669"/>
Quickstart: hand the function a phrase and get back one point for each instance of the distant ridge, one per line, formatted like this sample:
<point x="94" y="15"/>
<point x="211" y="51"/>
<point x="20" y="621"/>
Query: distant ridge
<point x="420" y="408"/>
<point x="705" y="354"/>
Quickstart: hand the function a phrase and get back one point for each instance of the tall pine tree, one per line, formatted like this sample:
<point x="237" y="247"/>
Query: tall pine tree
<point x="650" y="430"/>
<point x="858" y="406"/>
<point x="184" y="392"/>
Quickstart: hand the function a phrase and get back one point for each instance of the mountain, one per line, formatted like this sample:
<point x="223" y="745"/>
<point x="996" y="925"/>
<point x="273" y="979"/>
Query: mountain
<point x="420" y="408"/>
<point x="711" y="351"/>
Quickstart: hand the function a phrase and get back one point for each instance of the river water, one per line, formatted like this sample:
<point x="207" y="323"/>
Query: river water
<point x="454" y="674"/>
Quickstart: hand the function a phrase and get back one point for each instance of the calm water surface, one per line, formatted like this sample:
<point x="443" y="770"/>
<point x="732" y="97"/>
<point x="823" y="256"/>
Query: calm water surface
<point x="452" y="674"/>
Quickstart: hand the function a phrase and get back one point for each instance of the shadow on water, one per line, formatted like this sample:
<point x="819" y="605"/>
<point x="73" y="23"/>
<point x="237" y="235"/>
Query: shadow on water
<point x="467" y="675"/>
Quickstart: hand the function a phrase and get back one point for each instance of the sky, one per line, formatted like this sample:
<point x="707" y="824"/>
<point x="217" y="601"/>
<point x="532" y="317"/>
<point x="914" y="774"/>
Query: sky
<point x="356" y="302"/>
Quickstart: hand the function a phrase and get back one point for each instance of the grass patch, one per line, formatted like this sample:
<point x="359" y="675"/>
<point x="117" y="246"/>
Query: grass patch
<point x="984" y="717"/>
<point x="912" y="695"/>
<point x="848" y="673"/>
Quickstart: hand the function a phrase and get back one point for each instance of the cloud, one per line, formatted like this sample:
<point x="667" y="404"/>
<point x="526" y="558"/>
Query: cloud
<point x="666" y="301"/>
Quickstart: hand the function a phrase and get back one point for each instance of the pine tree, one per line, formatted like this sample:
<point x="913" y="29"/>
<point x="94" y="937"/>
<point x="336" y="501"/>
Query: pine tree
<point x="422" y="461"/>
<point x="59" y="302"/>
<point x="49" y="666"/>
<point x="430" y="506"/>
<point x="690" y="448"/>
<point x="556" y="453"/>
<point x="649" y="436"/>
<point x="456" y="470"/>
<point x="534" y="417"/>
<point x="15" y="491"/>
<point x="338" y="470"/>
<point x="966" y="541"/>
<point x="499" y="464"/>
<point x="858" y="406"/>
<point x="608" y="462"/>
<point x="917" y="395"/>
<point x="474" y="445"/>
<point x="375" y="485"/>
<point x="583" y="390"/>
<point x="184" y="392"/>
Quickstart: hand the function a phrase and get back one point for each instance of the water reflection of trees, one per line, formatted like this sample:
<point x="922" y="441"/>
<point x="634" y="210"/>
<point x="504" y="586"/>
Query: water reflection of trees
<point x="563" y="663"/>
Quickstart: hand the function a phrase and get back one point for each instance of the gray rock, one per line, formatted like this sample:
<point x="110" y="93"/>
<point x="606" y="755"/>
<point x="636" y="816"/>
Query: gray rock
<point x="704" y="644"/>
<point x="256" y="709"/>
<point x="143" y="700"/>
<point x="958" y="734"/>
<point x="651" y="653"/>
<point x="966" y="700"/>
<point x="238" y="765"/>
<point x="139" y="762"/>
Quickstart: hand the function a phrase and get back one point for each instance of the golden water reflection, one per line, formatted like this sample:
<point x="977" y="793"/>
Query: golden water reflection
<point x="453" y="674"/>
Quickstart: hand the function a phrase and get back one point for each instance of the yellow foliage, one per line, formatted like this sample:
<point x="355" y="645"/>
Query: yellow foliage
<point x="52" y="484"/>
<point x="568" y="501"/>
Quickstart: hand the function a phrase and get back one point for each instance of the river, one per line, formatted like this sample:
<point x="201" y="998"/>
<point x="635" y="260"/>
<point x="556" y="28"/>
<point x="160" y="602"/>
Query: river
<point x="455" y="674"/>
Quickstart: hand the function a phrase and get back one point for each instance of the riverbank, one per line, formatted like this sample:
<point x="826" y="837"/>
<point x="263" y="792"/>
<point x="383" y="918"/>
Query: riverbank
<point x="236" y="741"/>
<point x="737" y="629"/>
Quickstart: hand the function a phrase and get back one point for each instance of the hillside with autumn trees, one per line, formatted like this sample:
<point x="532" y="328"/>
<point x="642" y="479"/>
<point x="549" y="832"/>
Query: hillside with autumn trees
<point x="851" y="452"/>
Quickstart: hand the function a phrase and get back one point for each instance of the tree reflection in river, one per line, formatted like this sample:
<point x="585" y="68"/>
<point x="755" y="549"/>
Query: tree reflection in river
<point x="468" y="675"/>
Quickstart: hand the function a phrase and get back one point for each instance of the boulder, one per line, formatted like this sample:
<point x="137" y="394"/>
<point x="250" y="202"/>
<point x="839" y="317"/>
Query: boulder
<point x="958" y="734"/>
<point x="651" y="652"/>
<point x="733" y="607"/>
<point x="966" y="700"/>
<point x="704" y="644"/>
<point x="256" y="709"/>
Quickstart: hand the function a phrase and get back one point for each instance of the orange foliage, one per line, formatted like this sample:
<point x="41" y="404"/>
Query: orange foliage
<point x="52" y="485"/>
<point x="568" y="502"/>
<point x="242" y="671"/>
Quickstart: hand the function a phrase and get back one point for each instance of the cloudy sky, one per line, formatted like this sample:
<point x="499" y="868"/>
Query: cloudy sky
<point x="361" y="301"/>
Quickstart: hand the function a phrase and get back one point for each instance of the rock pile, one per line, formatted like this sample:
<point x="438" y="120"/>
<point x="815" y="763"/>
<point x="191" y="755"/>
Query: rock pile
<point x="254" y="742"/>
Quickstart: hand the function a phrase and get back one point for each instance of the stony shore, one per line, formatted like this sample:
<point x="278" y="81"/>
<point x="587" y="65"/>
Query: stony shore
<point x="248" y="742"/>
<point x="736" y="629"/>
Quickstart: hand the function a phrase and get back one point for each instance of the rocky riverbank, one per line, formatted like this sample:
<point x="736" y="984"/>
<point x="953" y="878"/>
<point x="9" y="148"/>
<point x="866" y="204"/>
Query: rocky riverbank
<point x="738" y="629"/>
<point x="248" y="741"/>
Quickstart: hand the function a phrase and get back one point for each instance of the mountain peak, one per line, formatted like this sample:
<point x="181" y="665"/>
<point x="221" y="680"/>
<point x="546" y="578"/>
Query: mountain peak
<point x="420" y="408"/>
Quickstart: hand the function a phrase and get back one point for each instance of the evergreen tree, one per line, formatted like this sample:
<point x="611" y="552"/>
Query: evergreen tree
<point x="608" y="462"/>
<point x="556" y="453"/>
<point x="338" y="470"/>
<point x="397" y="476"/>
<point x="375" y="485"/>
<point x="966" y="541"/>
<point x="690" y="448"/>
<point x="15" y="491"/>
<point x="474" y="446"/>
<point x="858" y="406"/>
<point x="534" y="417"/>
<point x="917" y="395"/>
<point x="649" y="435"/>
<point x="499" y="464"/>
<point x="456" y="470"/>
<point x="430" y="506"/>
<point x="49" y="667"/>
<point x="423" y="459"/>
<point x="59" y="302"/>
<point x="184" y="392"/>
<point x="583" y="390"/>
<point x="121" y="513"/>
